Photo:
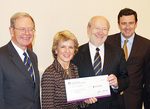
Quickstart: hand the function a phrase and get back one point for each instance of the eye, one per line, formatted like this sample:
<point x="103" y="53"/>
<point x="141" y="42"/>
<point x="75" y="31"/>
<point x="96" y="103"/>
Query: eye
<point x="123" y="23"/>
<point x="62" y="46"/>
<point x="71" y="47"/>
<point x="105" y="29"/>
<point x="23" y="30"/>
<point x="131" y="23"/>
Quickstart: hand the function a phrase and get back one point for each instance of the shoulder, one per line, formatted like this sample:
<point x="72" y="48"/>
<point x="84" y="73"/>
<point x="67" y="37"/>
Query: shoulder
<point x="114" y="50"/>
<point x="113" y="36"/>
<point x="113" y="39"/>
<point x="82" y="50"/>
<point x="83" y="47"/>
<point x="4" y="51"/>
<point x="49" y="70"/>
<point x="142" y="39"/>
<point x="31" y="53"/>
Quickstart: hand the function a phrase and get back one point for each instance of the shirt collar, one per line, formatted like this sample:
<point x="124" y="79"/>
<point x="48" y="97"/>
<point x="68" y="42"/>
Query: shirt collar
<point x="93" y="47"/>
<point x="19" y="50"/>
<point x="130" y="40"/>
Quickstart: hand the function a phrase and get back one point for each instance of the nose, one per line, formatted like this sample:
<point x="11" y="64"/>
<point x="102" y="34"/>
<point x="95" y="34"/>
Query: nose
<point x="100" y="32"/>
<point x="27" y="31"/>
<point x="67" y="50"/>
<point x="127" y="25"/>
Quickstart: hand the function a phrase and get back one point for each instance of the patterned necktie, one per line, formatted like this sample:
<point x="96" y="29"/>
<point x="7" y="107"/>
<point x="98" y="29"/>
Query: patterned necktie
<point x="125" y="48"/>
<point x="28" y="64"/>
<point x="97" y="62"/>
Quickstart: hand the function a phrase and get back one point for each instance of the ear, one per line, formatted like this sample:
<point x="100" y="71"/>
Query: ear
<point x="56" y="51"/>
<point x="118" y="25"/>
<point x="11" y="30"/>
<point x="136" y="24"/>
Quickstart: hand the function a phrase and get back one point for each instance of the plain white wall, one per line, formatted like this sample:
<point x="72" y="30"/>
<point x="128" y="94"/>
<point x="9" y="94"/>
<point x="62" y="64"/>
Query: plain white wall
<point x="52" y="16"/>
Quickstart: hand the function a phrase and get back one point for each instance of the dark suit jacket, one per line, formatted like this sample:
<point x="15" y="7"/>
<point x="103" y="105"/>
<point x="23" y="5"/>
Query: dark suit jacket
<point x="146" y="94"/>
<point x="114" y="63"/>
<point x="136" y="63"/>
<point x="17" y="89"/>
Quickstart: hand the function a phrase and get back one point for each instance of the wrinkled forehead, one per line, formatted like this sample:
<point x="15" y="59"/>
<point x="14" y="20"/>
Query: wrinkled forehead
<point x="24" y="21"/>
<point x="100" y="22"/>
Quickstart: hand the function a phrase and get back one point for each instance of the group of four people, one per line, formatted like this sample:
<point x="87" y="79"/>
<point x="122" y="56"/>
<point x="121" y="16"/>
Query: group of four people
<point x="20" y="84"/>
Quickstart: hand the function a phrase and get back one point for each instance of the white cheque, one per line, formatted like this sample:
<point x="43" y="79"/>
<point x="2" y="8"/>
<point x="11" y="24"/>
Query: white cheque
<point x="82" y="88"/>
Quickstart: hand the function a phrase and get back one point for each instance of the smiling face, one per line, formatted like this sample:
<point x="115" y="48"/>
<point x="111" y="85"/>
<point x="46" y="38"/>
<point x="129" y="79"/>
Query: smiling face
<point x="22" y="33"/>
<point x="65" y="51"/>
<point x="127" y="25"/>
<point x="98" y="30"/>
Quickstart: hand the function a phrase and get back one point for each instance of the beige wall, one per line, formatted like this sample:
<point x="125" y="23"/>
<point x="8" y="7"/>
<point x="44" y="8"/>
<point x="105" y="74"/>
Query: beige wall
<point x="55" y="15"/>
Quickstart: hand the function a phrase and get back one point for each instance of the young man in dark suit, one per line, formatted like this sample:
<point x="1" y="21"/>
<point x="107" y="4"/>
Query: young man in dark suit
<point x="112" y="62"/>
<point x="19" y="76"/>
<point x="137" y="50"/>
<point x="146" y="90"/>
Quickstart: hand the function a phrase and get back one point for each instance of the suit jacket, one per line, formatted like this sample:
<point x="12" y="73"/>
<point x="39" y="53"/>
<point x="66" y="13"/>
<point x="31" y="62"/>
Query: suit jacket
<point x="17" y="89"/>
<point x="114" y="63"/>
<point x="146" y="94"/>
<point x="136" y="63"/>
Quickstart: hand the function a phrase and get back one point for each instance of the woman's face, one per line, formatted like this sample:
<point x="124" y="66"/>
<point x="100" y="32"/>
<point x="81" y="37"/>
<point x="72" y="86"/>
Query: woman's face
<point x="65" y="51"/>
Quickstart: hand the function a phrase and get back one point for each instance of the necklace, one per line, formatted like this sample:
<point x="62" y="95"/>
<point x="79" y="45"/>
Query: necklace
<point x="67" y="73"/>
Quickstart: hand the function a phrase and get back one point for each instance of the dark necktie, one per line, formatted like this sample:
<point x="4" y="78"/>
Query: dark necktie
<point x="28" y="64"/>
<point x="97" y="62"/>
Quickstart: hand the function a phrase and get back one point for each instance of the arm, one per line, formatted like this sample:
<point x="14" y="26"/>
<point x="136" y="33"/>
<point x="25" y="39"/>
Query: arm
<point x="1" y="89"/>
<point x="48" y="85"/>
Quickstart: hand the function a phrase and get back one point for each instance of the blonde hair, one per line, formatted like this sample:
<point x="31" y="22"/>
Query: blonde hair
<point x="18" y="15"/>
<point x="64" y="35"/>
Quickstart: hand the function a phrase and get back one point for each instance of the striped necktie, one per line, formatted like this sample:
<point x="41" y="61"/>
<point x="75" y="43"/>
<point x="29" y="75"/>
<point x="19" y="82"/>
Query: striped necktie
<point x="28" y="64"/>
<point x="97" y="62"/>
<point x="125" y="48"/>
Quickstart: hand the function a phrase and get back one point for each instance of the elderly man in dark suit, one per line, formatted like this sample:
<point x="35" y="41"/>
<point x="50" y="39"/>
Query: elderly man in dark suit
<point x="19" y="75"/>
<point x="111" y="61"/>
<point x="137" y="51"/>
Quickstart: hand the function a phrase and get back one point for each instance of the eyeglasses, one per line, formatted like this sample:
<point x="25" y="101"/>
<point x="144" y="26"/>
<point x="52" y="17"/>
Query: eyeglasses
<point x="24" y="30"/>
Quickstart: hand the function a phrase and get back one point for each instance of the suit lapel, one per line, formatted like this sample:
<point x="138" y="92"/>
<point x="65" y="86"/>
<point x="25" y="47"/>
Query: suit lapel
<point x="118" y="40"/>
<point x="14" y="56"/>
<point x="87" y="59"/>
<point x="134" y="47"/>
<point x="36" y="72"/>
<point x="107" y="58"/>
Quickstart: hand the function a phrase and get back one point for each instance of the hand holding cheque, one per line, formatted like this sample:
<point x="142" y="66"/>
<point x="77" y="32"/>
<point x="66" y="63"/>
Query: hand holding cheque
<point x="90" y="87"/>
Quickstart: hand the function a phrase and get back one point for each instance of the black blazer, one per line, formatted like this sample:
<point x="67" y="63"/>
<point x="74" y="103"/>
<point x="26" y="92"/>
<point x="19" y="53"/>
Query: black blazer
<point x="17" y="90"/>
<point x="114" y="63"/>
<point x="136" y="65"/>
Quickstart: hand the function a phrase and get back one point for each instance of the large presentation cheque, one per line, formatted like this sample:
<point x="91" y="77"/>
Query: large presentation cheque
<point x="79" y="89"/>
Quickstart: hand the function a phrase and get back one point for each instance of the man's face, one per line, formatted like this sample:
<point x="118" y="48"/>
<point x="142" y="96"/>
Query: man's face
<point x="98" y="31"/>
<point x="23" y="32"/>
<point x="127" y="25"/>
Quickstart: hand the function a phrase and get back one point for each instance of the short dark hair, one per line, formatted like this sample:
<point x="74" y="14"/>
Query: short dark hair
<point x="127" y="12"/>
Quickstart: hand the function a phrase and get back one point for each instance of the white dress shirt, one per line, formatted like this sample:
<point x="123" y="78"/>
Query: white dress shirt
<point x="92" y="49"/>
<point x="129" y="43"/>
